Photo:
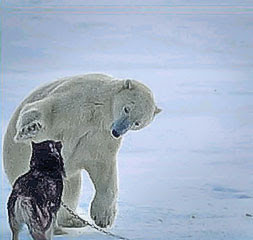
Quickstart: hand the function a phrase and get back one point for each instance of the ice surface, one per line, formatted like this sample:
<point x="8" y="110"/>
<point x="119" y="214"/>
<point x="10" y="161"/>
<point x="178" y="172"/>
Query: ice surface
<point x="189" y="174"/>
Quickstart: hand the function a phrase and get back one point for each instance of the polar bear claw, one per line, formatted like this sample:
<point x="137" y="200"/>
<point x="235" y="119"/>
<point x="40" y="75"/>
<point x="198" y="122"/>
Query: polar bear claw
<point x="103" y="216"/>
<point x="28" y="131"/>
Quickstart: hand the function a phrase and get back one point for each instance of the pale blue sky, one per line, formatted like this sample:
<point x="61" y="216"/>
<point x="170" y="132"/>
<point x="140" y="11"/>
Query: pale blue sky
<point x="44" y="41"/>
<point x="42" y="45"/>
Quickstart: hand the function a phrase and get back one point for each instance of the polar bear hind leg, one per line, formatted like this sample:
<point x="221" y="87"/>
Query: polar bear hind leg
<point x="71" y="193"/>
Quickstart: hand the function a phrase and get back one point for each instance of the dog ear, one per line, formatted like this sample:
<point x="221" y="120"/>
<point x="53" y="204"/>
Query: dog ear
<point x="58" y="145"/>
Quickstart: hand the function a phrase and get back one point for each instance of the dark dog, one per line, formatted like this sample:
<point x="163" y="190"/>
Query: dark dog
<point x="36" y="195"/>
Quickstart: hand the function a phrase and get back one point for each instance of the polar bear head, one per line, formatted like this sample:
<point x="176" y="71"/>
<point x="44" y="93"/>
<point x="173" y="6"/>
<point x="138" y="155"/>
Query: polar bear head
<point x="133" y="108"/>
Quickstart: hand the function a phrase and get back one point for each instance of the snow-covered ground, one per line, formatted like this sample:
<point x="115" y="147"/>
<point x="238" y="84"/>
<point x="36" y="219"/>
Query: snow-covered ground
<point x="189" y="175"/>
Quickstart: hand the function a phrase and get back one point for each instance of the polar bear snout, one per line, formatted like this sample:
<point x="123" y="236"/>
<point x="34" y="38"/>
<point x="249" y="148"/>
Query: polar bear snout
<point x="120" y="127"/>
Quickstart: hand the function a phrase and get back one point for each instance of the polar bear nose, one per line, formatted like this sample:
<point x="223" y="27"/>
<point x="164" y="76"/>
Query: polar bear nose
<point x="120" y="127"/>
<point x="115" y="133"/>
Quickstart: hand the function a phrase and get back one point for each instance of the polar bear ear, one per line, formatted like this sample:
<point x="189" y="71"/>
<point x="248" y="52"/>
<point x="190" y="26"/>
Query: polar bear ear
<point x="157" y="110"/>
<point x="128" y="84"/>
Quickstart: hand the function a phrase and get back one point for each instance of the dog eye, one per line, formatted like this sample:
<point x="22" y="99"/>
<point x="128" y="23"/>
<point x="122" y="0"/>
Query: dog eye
<point x="126" y="109"/>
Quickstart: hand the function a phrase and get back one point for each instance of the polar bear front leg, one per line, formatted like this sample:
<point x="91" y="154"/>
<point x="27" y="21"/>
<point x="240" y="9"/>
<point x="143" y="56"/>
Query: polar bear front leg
<point x="28" y="125"/>
<point x="103" y="207"/>
<point x="32" y="120"/>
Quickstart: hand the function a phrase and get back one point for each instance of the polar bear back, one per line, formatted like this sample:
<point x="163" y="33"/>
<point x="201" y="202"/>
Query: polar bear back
<point x="87" y="88"/>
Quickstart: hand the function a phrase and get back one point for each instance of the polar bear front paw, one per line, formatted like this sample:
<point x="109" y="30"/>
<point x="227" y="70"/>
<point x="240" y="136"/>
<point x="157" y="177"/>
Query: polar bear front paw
<point x="103" y="217"/>
<point x="28" y="131"/>
<point x="29" y="124"/>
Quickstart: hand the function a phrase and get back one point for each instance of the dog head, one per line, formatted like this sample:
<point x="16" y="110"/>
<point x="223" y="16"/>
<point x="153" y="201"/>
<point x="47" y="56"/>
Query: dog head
<point x="46" y="156"/>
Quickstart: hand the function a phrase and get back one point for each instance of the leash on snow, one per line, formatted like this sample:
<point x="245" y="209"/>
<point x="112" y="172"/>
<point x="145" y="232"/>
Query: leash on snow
<point x="92" y="225"/>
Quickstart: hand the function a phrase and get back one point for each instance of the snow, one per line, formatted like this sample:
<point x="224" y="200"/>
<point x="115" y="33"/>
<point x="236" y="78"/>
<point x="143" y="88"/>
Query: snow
<point x="189" y="174"/>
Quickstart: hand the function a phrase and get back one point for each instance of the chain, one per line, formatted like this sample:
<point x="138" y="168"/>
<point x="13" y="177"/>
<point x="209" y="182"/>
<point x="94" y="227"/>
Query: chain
<point x="92" y="225"/>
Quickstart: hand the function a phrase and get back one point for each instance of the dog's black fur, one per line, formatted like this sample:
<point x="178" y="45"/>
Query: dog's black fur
<point x="36" y="195"/>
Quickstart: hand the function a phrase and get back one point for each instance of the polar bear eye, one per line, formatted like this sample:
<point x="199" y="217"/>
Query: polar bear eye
<point x="137" y="124"/>
<point x="126" y="109"/>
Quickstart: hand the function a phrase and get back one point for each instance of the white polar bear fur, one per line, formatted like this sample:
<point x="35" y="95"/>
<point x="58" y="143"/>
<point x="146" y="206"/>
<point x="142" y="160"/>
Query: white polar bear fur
<point x="79" y="111"/>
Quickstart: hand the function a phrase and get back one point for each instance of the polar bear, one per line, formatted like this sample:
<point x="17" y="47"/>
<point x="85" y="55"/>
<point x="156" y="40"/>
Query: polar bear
<point x="89" y="114"/>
